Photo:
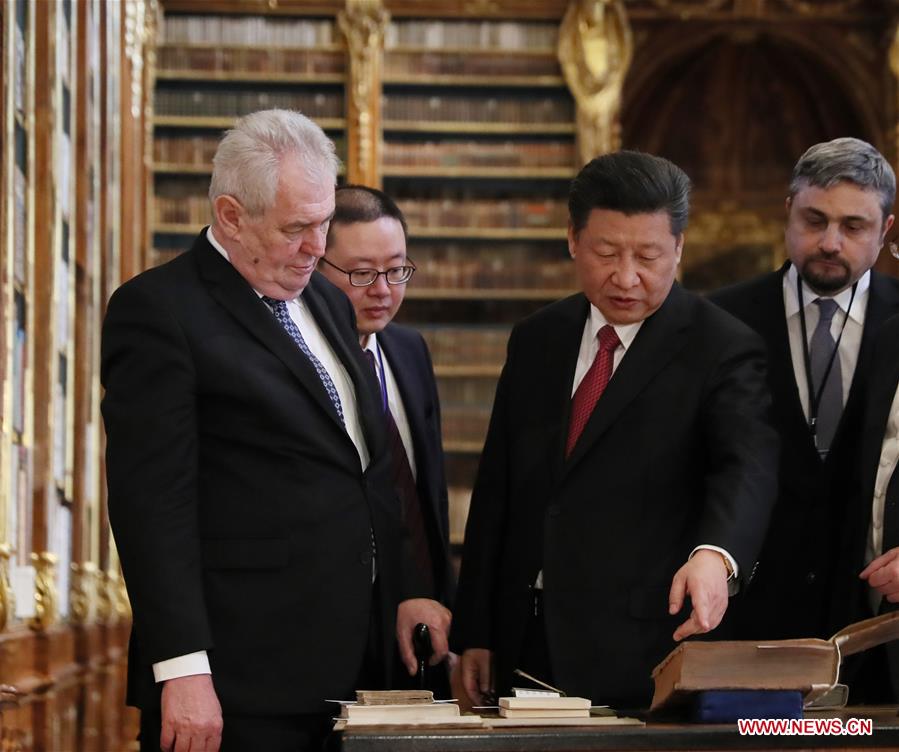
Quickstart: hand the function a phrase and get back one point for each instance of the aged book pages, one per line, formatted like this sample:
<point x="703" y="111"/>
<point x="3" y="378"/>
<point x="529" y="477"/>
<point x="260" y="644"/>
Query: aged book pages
<point x="809" y="665"/>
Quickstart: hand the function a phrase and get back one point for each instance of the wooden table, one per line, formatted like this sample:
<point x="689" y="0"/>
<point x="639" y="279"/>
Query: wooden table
<point x="653" y="736"/>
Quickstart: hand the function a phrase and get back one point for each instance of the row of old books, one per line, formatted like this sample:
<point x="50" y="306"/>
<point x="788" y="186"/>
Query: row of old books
<point x="178" y="203"/>
<point x="458" y="153"/>
<point x="312" y="32"/>
<point x="253" y="31"/>
<point x="496" y="271"/>
<point x="500" y="35"/>
<point x="469" y="391"/>
<point x="198" y="150"/>
<point x="466" y="345"/>
<point x="465" y="424"/>
<point x="219" y="103"/>
<point x="468" y="63"/>
<point x="508" y="213"/>
<point x="510" y="108"/>
<point x="250" y="60"/>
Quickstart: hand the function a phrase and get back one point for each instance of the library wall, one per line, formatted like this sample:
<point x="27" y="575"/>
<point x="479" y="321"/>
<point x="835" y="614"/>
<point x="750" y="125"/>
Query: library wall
<point x="475" y="116"/>
<point x="72" y="219"/>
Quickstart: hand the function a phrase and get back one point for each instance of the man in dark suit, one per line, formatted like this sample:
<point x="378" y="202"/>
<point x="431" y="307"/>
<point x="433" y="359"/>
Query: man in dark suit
<point x="249" y="491"/>
<point x="628" y="462"/>
<point x="365" y="256"/>
<point x="838" y="212"/>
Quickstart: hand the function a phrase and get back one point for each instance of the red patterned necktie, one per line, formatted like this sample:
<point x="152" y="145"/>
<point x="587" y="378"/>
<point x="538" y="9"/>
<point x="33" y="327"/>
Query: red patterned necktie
<point x="407" y="491"/>
<point x="592" y="386"/>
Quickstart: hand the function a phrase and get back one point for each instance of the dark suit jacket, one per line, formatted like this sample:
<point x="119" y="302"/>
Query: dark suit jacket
<point x="676" y="453"/>
<point x="790" y="595"/>
<point x="241" y="513"/>
<point x="410" y="362"/>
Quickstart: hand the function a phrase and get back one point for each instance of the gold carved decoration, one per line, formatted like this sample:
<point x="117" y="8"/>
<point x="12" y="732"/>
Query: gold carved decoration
<point x="122" y="604"/>
<point x="140" y="24"/>
<point x="7" y="598"/>
<point x="363" y="23"/>
<point x="106" y="597"/>
<point x="45" y="597"/>
<point x="83" y="593"/>
<point x="595" y="50"/>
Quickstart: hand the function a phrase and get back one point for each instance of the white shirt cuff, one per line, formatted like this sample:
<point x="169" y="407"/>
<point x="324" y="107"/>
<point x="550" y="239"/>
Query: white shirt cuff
<point x="726" y="555"/>
<point x="182" y="665"/>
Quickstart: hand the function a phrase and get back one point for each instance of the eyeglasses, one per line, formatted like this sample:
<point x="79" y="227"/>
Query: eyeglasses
<point x="397" y="275"/>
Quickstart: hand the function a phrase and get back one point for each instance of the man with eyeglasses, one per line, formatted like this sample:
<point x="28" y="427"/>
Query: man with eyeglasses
<point x="365" y="256"/>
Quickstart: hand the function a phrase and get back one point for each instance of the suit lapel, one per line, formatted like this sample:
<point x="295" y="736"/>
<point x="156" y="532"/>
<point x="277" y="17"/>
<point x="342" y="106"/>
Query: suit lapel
<point x="660" y="338"/>
<point x="240" y="300"/>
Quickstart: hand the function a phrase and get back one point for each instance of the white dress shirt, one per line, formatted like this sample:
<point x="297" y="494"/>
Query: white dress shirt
<point x="852" y="333"/>
<point x="394" y="398"/>
<point x="198" y="662"/>
<point x="889" y="454"/>
<point x="586" y="355"/>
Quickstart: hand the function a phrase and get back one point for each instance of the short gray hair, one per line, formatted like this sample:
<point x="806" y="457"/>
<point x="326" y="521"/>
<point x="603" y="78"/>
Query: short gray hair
<point x="848" y="160"/>
<point x="247" y="161"/>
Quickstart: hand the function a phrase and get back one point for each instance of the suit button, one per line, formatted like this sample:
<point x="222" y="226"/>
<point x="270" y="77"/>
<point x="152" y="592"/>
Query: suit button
<point x="810" y="578"/>
<point x="365" y="558"/>
<point x="554" y="511"/>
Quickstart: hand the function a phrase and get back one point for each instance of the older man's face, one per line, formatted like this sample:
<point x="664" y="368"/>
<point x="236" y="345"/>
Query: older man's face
<point x="626" y="264"/>
<point x="278" y="250"/>
<point x="833" y="235"/>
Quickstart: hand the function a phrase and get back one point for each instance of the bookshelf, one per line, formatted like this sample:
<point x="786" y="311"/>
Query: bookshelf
<point x="17" y="292"/>
<point x="212" y="69"/>
<point x="479" y="147"/>
<point x="474" y="135"/>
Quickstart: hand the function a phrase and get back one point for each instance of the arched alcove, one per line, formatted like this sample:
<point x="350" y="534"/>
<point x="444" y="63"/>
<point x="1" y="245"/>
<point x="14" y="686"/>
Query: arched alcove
<point x="735" y="107"/>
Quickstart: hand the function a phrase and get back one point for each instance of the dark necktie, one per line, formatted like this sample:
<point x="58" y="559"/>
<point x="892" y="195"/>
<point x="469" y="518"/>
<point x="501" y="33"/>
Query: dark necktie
<point x="830" y="401"/>
<point x="592" y="386"/>
<point x="279" y="308"/>
<point x="406" y="490"/>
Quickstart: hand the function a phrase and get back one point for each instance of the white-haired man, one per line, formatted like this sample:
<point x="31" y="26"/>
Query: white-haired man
<point x="249" y="486"/>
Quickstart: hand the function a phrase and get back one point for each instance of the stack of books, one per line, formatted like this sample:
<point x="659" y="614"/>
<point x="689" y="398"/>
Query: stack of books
<point x="544" y="706"/>
<point x="402" y="708"/>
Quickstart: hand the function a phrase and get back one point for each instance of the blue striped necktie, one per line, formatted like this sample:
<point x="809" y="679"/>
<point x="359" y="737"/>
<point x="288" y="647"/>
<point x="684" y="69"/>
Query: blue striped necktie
<point x="279" y="308"/>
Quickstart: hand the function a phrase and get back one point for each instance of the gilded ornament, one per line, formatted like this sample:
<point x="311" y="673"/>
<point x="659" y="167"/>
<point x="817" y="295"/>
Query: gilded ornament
<point x="122" y="603"/>
<point x="82" y="593"/>
<point x="45" y="597"/>
<point x="363" y="23"/>
<point x="7" y="598"/>
<point x="595" y="51"/>
<point x="105" y="598"/>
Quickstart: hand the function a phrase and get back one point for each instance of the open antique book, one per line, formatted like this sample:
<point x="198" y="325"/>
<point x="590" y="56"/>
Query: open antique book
<point x="811" y="666"/>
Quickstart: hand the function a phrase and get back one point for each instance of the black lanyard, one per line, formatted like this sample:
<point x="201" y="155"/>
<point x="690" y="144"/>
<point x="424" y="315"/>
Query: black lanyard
<point x="814" y="398"/>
